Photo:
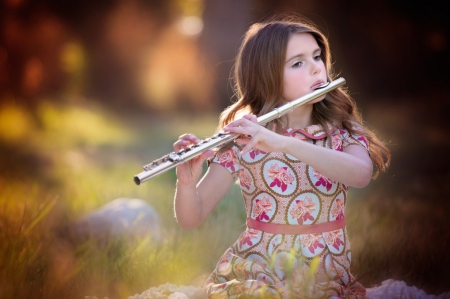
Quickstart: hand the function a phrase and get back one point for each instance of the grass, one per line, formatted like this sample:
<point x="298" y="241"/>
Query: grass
<point x="81" y="157"/>
<point x="64" y="161"/>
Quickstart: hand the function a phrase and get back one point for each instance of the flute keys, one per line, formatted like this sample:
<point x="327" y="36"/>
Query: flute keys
<point x="149" y="166"/>
<point x="173" y="157"/>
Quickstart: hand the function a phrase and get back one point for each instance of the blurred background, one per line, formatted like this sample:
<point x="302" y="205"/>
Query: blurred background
<point x="92" y="90"/>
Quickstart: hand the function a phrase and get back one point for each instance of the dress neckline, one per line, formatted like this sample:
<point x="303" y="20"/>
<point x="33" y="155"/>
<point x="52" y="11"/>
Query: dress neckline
<point x="312" y="131"/>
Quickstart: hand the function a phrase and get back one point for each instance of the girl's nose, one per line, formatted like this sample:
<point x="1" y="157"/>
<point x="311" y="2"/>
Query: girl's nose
<point x="316" y="67"/>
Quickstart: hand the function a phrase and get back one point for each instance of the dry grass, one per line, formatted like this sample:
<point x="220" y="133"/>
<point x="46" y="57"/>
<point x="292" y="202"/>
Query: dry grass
<point x="69" y="160"/>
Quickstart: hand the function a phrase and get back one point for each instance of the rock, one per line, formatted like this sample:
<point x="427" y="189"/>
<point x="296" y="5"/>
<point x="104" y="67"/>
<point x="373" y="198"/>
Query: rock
<point x="122" y="217"/>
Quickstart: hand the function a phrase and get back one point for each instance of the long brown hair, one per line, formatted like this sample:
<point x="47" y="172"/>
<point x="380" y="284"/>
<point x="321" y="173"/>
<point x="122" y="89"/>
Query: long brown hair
<point x="258" y="83"/>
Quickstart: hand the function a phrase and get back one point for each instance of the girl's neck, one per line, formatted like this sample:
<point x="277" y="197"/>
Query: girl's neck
<point x="301" y="117"/>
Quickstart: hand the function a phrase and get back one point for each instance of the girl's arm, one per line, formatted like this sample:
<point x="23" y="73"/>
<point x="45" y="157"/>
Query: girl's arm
<point x="193" y="202"/>
<point x="352" y="166"/>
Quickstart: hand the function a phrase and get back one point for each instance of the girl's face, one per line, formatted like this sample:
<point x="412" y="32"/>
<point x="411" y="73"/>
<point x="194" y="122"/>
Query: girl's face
<point x="304" y="69"/>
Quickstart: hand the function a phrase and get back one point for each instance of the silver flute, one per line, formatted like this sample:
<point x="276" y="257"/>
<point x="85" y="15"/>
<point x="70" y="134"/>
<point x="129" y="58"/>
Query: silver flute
<point x="174" y="159"/>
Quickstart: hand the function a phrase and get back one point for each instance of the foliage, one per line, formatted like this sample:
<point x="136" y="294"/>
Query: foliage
<point x="71" y="159"/>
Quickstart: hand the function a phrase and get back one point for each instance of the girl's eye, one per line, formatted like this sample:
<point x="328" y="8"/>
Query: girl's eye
<point x="297" y="64"/>
<point x="317" y="58"/>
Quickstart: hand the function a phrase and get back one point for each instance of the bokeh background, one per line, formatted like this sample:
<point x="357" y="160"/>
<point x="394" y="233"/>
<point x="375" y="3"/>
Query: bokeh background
<point x="92" y="90"/>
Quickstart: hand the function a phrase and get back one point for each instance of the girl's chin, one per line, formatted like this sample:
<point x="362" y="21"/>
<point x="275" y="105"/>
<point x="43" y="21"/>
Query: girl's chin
<point x="318" y="100"/>
<point x="312" y="102"/>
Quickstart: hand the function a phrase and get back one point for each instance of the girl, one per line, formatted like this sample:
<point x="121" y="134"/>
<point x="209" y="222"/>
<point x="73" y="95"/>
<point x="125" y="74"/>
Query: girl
<point x="294" y="173"/>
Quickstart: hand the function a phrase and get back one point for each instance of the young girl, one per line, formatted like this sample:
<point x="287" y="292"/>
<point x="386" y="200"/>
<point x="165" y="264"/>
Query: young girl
<point x="294" y="173"/>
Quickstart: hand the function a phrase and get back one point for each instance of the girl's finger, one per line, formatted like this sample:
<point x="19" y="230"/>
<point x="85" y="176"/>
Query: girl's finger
<point x="250" y="145"/>
<point x="206" y="155"/>
<point x="240" y="130"/>
<point x="243" y="140"/>
<point x="184" y="141"/>
<point x="191" y="137"/>
<point x="197" y="162"/>
<point x="178" y="145"/>
<point x="239" y="123"/>
<point x="251" y="117"/>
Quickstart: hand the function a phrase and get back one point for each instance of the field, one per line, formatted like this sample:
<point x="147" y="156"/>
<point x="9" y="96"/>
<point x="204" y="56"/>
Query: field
<point x="59" y="162"/>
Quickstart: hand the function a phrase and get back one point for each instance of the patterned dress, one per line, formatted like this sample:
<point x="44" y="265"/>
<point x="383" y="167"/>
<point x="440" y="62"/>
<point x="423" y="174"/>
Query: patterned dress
<point x="278" y="188"/>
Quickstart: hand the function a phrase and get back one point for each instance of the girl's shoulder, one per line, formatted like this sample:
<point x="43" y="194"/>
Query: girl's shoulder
<point x="353" y="137"/>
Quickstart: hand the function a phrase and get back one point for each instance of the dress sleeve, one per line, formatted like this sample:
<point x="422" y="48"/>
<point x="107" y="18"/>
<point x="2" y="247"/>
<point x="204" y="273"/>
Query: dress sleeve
<point x="352" y="138"/>
<point x="229" y="159"/>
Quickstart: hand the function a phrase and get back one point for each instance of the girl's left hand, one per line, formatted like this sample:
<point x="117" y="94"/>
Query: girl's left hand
<point x="255" y="135"/>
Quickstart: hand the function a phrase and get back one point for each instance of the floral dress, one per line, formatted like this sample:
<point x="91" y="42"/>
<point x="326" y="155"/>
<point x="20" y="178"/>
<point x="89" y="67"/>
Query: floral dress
<point x="278" y="188"/>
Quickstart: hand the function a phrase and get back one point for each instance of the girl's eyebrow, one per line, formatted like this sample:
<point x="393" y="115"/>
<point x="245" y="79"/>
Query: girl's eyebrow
<point x="302" y="55"/>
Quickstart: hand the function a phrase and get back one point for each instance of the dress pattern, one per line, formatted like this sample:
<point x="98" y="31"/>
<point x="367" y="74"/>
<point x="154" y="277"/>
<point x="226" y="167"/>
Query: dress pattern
<point x="278" y="188"/>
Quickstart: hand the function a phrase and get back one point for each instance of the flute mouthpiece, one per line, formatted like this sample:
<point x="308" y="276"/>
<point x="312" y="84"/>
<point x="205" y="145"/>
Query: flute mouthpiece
<point x="323" y="85"/>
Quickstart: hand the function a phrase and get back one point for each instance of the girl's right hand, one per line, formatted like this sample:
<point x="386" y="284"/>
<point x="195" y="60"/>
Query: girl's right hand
<point x="189" y="172"/>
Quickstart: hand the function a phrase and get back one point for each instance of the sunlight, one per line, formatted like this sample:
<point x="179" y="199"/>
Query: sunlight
<point x="72" y="57"/>
<point x="191" y="25"/>
<point x="171" y="81"/>
<point x="73" y="125"/>
<point x="15" y="123"/>
<point x="73" y="62"/>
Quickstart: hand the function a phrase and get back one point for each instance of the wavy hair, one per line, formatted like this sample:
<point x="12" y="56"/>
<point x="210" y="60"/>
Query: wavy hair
<point x="258" y="83"/>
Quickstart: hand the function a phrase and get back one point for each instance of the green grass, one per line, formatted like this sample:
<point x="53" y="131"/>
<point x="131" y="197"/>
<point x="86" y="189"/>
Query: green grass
<point x="81" y="157"/>
<point x="64" y="161"/>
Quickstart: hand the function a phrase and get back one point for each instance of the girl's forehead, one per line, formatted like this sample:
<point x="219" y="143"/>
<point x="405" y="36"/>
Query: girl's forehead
<point x="301" y="44"/>
<point x="302" y="39"/>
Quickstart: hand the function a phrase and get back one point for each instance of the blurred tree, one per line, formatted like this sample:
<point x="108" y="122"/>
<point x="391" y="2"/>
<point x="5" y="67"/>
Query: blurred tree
<point x="36" y="35"/>
<point x="225" y="24"/>
<point x="384" y="47"/>
<point x="30" y="38"/>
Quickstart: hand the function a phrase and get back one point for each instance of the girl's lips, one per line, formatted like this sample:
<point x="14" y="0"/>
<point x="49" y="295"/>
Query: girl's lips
<point x="317" y="84"/>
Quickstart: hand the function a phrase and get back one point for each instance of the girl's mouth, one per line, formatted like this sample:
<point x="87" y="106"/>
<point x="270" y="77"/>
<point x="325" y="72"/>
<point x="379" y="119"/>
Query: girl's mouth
<point x="319" y="84"/>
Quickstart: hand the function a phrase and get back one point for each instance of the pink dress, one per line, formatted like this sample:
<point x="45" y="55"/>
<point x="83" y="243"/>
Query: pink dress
<point x="278" y="188"/>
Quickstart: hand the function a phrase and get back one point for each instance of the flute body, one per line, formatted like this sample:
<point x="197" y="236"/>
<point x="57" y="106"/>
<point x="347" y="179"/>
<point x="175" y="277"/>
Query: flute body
<point x="173" y="159"/>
